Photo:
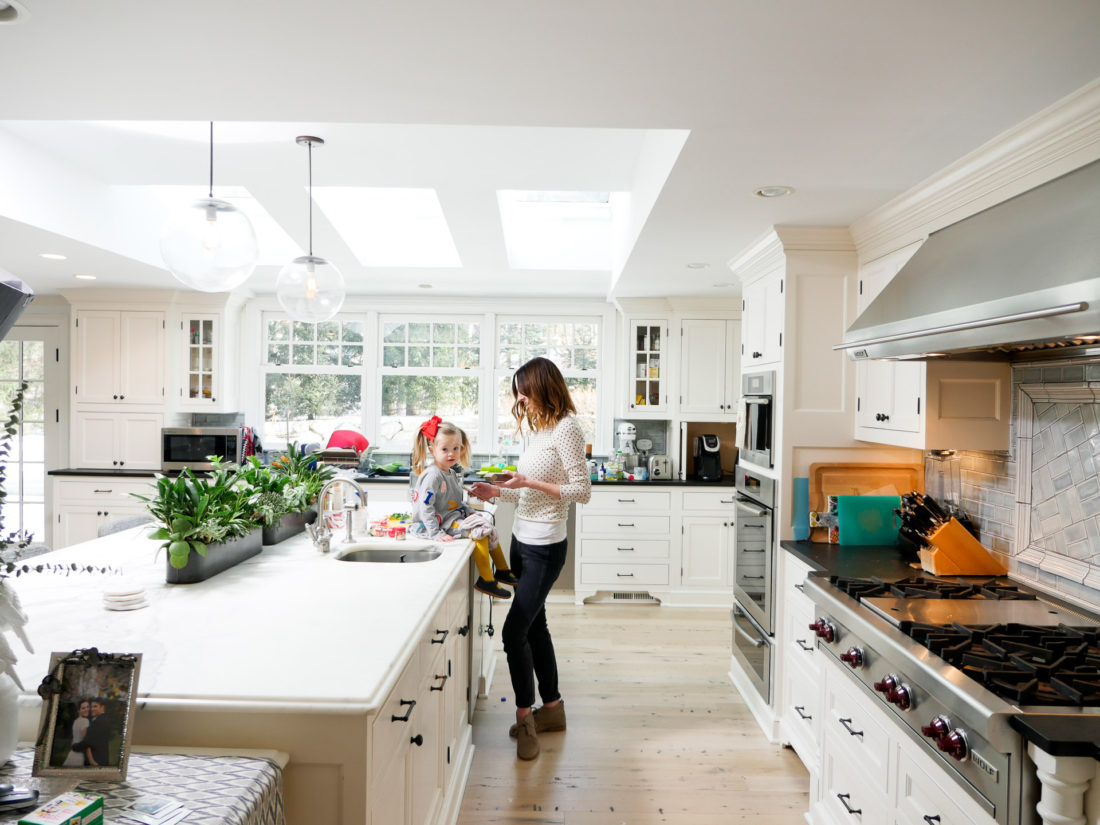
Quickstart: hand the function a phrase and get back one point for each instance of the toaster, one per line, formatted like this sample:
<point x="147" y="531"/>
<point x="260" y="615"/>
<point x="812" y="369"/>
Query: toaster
<point x="659" y="467"/>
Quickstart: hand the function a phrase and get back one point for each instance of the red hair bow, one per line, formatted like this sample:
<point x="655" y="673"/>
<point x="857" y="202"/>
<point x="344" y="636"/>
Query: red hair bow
<point x="430" y="427"/>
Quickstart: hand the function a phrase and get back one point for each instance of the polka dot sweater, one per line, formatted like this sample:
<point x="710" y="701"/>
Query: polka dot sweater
<point x="557" y="456"/>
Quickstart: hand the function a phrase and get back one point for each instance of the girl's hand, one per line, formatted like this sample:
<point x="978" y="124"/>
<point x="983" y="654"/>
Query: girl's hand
<point x="446" y="537"/>
<point x="514" y="481"/>
<point x="484" y="492"/>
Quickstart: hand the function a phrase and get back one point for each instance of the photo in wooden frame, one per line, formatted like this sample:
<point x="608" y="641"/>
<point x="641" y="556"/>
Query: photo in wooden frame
<point x="87" y="715"/>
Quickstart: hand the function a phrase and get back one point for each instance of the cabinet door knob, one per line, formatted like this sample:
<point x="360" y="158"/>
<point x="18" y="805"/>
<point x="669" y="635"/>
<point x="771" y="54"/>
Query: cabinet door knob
<point x="121" y="397"/>
<point x="121" y="463"/>
<point x="115" y="397"/>
<point x="115" y="463"/>
<point x="417" y="740"/>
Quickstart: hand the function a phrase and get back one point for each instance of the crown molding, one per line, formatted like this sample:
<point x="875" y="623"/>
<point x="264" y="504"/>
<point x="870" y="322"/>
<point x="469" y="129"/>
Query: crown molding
<point x="1057" y="140"/>
<point x="762" y="257"/>
<point x="815" y="238"/>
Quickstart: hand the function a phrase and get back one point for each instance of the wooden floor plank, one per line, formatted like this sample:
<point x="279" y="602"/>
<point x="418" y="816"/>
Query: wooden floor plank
<point x="656" y="732"/>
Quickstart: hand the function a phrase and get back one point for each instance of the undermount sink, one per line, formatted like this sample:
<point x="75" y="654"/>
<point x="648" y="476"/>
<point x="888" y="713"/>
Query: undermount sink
<point x="390" y="551"/>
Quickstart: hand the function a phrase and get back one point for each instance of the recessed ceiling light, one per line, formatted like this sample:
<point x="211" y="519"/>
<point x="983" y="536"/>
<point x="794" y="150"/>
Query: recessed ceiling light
<point x="85" y="277"/>
<point x="51" y="256"/>
<point x="425" y="286"/>
<point x="698" y="265"/>
<point x="12" y="12"/>
<point x="773" y="191"/>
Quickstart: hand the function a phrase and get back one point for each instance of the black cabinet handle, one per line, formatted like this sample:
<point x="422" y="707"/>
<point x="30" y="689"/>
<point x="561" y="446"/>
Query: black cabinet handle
<point x="929" y="818"/>
<point x="417" y="740"/>
<point x="625" y="549"/>
<point x="122" y="464"/>
<point x="752" y="577"/>
<point x="102" y="491"/>
<point x="626" y="501"/>
<point x="627" y="525"/>
<point x="799" y="708"/>
<point x="412" y="704"/>
<point x="441" y="684"/>
<point x="800" y="587"/>
<point x="464" y="630"/>
<point x="848" y="727"/>
<point x="802" y="644"/>
<point x="121" y="397"/>
<point x="115" y="397"/>
<point x="442" y="638"/>
<point x="625" y="575"/>
<point x="844" y="797"/>
<point x="115" y="463"/>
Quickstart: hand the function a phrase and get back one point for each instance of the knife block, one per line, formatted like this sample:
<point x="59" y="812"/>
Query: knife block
<point x="955" y="552"/>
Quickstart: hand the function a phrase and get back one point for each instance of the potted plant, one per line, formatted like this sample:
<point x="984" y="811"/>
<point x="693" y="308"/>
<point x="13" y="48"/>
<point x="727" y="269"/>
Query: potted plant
<point x="307" y="477"/>
<point x="205" y="523"/>
<point x="278" y="503"/>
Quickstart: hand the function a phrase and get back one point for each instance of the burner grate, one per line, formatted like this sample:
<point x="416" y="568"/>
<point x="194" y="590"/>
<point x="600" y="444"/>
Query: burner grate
<point x="929" y="587"/>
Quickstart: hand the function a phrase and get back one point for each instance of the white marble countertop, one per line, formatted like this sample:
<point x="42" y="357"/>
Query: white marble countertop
<point x="290" y="628"/>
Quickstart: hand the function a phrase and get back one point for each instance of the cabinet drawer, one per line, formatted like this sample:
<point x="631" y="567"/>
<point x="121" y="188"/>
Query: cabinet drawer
<point x="921" y="799"/>
<point x="626" y="551"/>
<point x="624" y="575"/>
<point x="626" y="500"/>
<point x="709" y="500"/>
<point x="801" y="711"/>
<point x="103" y="489"/>
<point x="626" y="525"/>
<point x="854" y="721"/>
<point x="435" y="638"/>
<point x="391" y="735"/>
<point x="848" y="794"/>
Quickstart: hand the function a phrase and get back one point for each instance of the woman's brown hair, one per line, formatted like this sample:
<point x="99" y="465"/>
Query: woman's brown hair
<point x="543" y="384"/>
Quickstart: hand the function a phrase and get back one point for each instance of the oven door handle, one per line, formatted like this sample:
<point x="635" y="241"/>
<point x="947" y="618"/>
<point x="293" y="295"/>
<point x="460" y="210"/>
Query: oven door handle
<point x="752" y="640"/>
<point x="745" y="506"/>
<point x="762" y="400"/>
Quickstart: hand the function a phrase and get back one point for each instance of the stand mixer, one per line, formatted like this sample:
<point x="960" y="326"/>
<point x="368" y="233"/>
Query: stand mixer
<point x="626" y="433"/>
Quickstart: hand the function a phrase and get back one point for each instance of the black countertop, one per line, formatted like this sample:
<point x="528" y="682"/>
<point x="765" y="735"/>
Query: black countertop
<point x="1065" y="735"/>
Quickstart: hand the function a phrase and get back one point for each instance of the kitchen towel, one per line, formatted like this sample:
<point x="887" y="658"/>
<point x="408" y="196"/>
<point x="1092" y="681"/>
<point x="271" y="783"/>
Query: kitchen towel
<point x="867" y="519"/>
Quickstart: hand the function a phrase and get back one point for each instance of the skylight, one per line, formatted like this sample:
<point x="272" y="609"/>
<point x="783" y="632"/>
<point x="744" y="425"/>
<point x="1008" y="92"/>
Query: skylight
<point x="556" y="229"/>
<point x="390" y="227"/>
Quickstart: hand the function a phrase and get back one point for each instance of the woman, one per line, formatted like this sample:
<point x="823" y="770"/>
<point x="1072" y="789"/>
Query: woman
<point x="80" y="727"/>
<point x="551" y="473"/>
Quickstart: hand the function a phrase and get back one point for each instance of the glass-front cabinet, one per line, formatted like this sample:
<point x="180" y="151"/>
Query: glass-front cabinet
<point x="200" y="361"/>
<point x="648" y="359"/>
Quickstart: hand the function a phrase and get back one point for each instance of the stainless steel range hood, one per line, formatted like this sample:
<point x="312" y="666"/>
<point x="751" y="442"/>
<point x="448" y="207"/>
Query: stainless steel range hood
<point x="1022" y="275"/>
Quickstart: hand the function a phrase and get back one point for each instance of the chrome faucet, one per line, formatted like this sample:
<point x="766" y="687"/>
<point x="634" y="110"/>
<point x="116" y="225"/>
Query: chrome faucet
<point x="322" y="535"/>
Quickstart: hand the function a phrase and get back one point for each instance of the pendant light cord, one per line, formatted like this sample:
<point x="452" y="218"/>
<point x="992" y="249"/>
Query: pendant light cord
<point x="310" y="145"/>
<point x="211" y="160"/>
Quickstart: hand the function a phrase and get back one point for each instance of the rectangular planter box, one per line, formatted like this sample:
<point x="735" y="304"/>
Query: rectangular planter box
<point x="290" y="525"/>
<point x="219" y="557"/>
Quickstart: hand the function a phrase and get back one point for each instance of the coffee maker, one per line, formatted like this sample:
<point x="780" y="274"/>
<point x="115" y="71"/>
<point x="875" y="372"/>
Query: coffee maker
<point x="708" y="463"/>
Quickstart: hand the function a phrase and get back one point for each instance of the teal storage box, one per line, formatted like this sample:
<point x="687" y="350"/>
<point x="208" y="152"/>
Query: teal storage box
<point x="867" y="519"/>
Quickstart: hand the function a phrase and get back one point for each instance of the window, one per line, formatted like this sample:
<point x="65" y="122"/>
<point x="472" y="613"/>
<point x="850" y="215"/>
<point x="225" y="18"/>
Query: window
<point x="572" y="344"/>
<point x="313" y="379"/>
<point x="25" y="465"/>
<point x="428" y="367"/>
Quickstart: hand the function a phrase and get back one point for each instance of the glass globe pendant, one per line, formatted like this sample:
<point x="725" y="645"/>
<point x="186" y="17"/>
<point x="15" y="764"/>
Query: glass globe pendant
<point x="210" y="245"/>
<point x="309" y="288"/>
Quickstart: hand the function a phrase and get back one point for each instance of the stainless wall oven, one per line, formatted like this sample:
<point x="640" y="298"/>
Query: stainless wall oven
<point x="753" y="577"/>
<point x="758" y="395"/>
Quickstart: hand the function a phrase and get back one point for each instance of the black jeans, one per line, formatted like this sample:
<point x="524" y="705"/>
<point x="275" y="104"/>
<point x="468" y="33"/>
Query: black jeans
<point x="526" y="636"/>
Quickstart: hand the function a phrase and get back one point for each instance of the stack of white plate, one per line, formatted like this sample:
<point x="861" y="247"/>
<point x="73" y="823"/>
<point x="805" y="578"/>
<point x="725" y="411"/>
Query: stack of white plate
<point x="124" y="594"/>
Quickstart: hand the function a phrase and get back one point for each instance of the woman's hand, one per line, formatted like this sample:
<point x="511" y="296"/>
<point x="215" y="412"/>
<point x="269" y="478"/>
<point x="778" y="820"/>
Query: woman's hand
<point x="446" y="537"/>
<point x="483" y="491"/>
<point x="514" y="481"/>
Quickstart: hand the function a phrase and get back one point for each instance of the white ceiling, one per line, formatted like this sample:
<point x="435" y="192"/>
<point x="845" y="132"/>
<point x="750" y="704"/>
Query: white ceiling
<point x="851" y="102"/>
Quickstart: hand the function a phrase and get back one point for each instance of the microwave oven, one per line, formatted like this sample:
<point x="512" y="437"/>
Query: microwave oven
<point x="192" y="447"/>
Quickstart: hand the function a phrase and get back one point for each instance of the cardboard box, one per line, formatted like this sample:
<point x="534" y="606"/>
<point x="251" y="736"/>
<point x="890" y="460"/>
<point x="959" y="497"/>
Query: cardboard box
<point x="67" y="809"/>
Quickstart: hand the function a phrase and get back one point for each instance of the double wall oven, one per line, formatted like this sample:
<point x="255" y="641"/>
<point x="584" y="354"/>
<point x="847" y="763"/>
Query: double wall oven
<point x="753" y="577"/>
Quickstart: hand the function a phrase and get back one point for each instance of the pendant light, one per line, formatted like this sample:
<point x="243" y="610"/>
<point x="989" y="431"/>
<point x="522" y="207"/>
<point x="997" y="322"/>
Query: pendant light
<point x="310" y="288"/>
<point x="209" y="246"/>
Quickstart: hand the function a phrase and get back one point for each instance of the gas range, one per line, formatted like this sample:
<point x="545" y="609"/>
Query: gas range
<point x="952" y="660"/>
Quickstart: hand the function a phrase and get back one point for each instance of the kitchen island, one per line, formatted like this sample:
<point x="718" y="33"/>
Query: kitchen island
<point x="292" y="650"/>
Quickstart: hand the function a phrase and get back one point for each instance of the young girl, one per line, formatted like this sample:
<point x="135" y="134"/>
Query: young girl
<point x="437" y="500"/>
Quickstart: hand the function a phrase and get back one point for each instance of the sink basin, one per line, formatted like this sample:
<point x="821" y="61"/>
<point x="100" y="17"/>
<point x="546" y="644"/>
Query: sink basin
<point x="391" y="551"/>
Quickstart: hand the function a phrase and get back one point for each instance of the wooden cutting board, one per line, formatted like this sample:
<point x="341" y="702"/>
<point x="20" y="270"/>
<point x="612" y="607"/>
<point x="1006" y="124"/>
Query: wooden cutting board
<point x="859" y="479"/>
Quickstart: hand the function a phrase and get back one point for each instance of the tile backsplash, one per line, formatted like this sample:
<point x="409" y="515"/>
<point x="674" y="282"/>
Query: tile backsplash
<point x="1047" y="523"/>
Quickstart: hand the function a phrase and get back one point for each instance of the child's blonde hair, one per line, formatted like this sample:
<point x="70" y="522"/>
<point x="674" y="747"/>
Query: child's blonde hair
<point x="422" y="446"/>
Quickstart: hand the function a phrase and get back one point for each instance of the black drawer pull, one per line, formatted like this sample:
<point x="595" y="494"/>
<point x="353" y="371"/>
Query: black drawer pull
<point x="802" y="644"/>
<point x="848" y="727"/>
<point x="746" y="524"/>
<point x="625" y="549"/>
<point x="102" y="491"/>
<point x="442" y="638"/>
<point x="626" y="501"/>
<point x="800" y="588"/>
<point x="462" y="631"/>
<point x="799" y="708"/>
<point x="441" y="684"/>
<point x="412" y="704"/>
<point x="751" y="550"/>
<point x="844" y="797"/>
<point x="752" y="577"/>
<point x="625" y="575"/>
<point x="929" y="818"/>
<point x="626" y="525"/>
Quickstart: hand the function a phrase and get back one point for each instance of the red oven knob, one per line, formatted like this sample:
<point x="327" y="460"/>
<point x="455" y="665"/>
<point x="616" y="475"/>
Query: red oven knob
<point x="954" y="744"/>
<point x="824" y="630"/>
<point x="901" y="696"/>
<point x="887" y="685"/>
<point x="853" y="657"/>
<point x="937" y="729"/>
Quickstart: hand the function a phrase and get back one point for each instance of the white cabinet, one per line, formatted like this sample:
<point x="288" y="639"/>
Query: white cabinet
<point x="648" y="379"/>
<point x="119" y="357"/>
<point x="937" y="405"/>
<point x="105" y="439"/>
<point x="83" y="504"/>
<point x="206" y="360"/>
<point x="624" y="541"/>
<point x="707" y="527"/>
<point x="800" y="709"/>
<point x="762" y="318"/>
<point x="710" y="367"/>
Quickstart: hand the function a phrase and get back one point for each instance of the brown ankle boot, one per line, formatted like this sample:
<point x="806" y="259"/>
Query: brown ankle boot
<point x="527" y="741"/>
<point x="548" y="719"/>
